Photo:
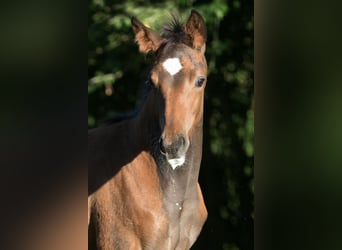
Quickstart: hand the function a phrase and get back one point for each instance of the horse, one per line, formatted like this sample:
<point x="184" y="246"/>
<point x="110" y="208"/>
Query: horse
<point x="143" y="190"/>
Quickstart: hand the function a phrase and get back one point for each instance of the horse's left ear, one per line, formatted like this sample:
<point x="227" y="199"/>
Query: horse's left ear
<point x="196" y="29"/>
<point x="147" y="39"/>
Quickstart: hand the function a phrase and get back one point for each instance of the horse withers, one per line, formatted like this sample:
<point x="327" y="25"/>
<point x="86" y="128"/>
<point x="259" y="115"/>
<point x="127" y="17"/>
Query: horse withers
<point x="143" y="190"/>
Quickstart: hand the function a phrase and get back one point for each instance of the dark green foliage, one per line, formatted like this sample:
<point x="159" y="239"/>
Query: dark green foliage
<point x="116" y="75"/>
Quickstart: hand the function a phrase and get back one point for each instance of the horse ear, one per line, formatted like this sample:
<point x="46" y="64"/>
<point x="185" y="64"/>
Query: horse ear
<point x="147" y="39"/>
<point x="196" y="29"/>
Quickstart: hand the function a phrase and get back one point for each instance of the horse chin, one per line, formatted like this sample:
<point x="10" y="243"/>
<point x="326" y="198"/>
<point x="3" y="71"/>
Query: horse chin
<point x="176" y="162"/>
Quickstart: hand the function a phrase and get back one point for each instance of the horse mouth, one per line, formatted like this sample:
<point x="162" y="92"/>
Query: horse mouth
<point x="176" y="162"/>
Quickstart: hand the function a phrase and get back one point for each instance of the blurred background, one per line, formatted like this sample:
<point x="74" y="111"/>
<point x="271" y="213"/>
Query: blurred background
<point x="116" y="72"/>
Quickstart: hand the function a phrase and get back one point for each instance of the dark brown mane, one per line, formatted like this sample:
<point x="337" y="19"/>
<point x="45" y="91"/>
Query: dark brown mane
<point x="116" y="118"/>
<point x="173" y="32"/>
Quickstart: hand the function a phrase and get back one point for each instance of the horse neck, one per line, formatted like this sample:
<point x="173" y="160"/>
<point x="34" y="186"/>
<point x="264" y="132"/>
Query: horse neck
<point x="181" y="183"/>
<point x="147" y="124"/>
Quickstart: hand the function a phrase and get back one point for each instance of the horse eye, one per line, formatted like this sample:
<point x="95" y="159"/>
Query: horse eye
<point x="199" y="82"/>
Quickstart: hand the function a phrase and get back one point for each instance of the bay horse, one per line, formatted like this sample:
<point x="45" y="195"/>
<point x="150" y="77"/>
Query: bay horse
<point x="143" y="190"/>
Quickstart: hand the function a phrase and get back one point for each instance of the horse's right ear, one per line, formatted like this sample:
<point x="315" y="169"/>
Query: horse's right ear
<point x="197" y="31"/>
<point x="147" y="39"/>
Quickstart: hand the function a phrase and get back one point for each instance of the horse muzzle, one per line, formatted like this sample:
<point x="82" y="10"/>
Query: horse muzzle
<point x="175" y="151"/>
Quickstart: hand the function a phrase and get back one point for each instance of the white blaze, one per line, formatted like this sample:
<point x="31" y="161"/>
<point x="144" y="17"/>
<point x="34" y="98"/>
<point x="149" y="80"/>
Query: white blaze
<point x="172" y="65"/>
<point x="176" y="162"/>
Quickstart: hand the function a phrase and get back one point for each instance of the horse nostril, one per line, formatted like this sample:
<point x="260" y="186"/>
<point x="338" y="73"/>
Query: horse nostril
<point x="182" y="141"/>
<point x="176" y="148"/>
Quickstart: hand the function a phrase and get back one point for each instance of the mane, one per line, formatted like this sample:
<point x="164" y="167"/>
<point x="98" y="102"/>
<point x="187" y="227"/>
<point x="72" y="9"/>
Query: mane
<point x="173" y="32"/>
<point x="120" y="117"/>
<point x="129" y="115"/>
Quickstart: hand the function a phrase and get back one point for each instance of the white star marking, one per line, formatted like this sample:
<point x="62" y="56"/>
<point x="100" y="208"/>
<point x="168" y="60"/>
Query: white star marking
<point x="172" y="65"/>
